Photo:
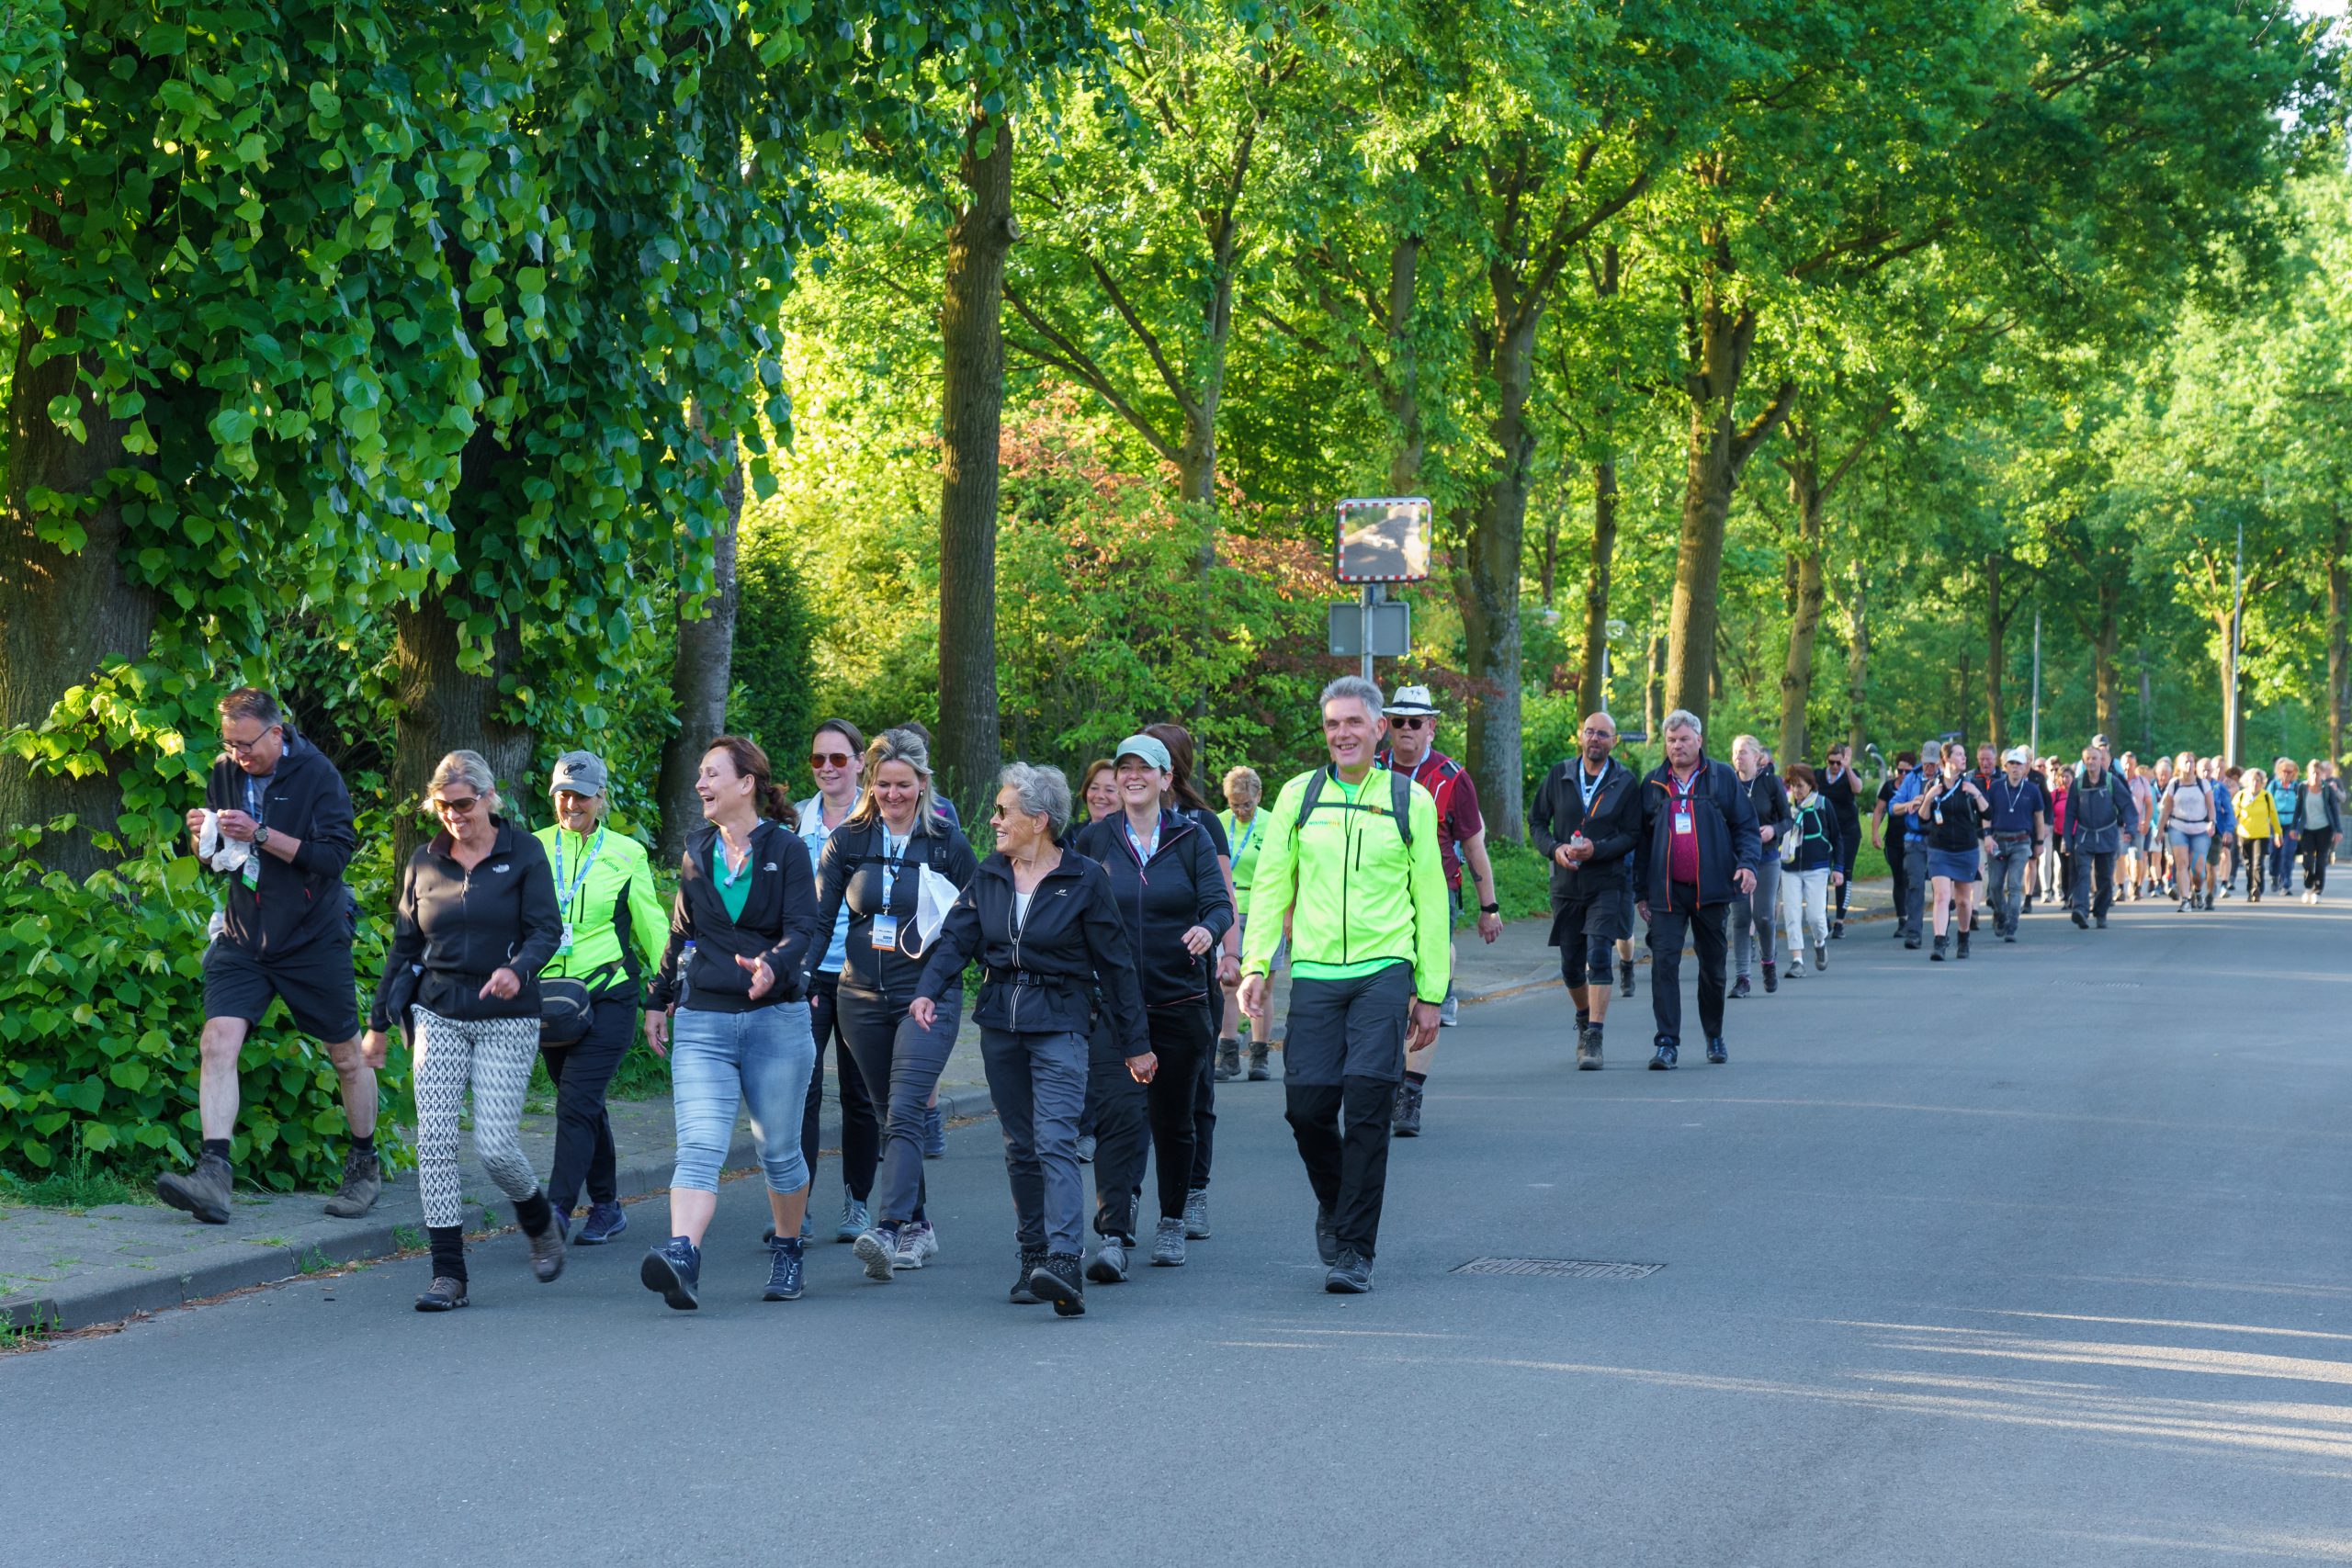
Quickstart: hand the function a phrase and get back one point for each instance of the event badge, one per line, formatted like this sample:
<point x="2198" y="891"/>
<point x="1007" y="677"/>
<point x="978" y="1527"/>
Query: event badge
<point x="1681" y="819"/>
<point x="564" y="949"/>
<point x="886" y="933"/>
<point x="252" y="870"/>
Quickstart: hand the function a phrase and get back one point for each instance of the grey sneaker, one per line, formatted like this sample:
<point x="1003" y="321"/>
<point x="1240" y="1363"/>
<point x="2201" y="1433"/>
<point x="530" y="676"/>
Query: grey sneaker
<point x="1196" y="1214"/>
<point x="1820" y="956"/>
<point x="855" y="1221"/>
<point x="918" y="1243"/>
<point x="363" y="1178"/>
<point x="203" y="1191"/>
<point x="1449" y="1011"/>
<point x="1168" y="1246"/>
<point x="1109" y="1264"/>
<point x="878" y="1250"/>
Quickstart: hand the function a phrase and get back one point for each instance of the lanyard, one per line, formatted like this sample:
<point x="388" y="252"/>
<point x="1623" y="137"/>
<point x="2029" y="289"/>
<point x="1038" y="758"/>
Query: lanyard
<point x="1682" y="787"/>
<point x="564" y="890"/>
<point x="1590" y="790"/>
<point x="256" y="797"/>
<point x="894" y="850"/>
<point x="1249" y="832"/>
<point x="734" y="873"/>
<point x="1142" y="851"/>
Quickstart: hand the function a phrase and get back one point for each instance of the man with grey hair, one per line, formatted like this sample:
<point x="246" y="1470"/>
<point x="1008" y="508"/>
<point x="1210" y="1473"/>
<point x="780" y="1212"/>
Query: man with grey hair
<point x="1697" y="847"/>
<point x="1351" y="864"/>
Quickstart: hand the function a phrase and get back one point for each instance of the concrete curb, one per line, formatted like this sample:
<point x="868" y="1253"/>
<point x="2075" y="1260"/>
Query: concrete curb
<point x="108" y="1295"/>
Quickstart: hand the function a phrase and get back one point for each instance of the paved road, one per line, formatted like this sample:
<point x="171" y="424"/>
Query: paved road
<point x="2035" y="1259"/>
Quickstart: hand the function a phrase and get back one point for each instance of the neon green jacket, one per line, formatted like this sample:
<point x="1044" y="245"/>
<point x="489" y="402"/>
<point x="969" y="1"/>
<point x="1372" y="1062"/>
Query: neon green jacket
<point x="1356" y="898"/>
<point x="618" y="885"/>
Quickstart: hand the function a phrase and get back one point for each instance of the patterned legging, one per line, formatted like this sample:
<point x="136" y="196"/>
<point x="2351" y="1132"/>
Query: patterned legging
<point x="495" y="1055"/>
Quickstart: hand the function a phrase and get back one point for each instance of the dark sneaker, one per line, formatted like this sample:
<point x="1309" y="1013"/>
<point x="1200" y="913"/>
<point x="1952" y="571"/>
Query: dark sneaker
<point x="546" y="1250"/>
<point x="605" y="1222"/>
<point x="934" y="1133"/>
<point x="1738" y="988"/>
<point x="203" y="1191"/>
<point x="1257" y="1073"/>
<point x="1943" y="948"/>
<point x="1229" y="1061"/>
<point x="1588" y="1051"/>
<point x="2102" y="923"/>
<point x="1350" y="1276"/>
<point x="1837" y="930"/>
<point x="1625" y="976"/>
<point x="674" y="1270"/>
<point x="1772" y="977"/>
<point x="1056" y="1281"/>
<point x="1109" y="1264"/>
<point x="878" y="1250"/>
<point x="444" y="1294"/>
<point x="1715" y="1052"/>
<point x="787" y="1267"/>
<point x="1964" y="945"/>
<point x="854" y="1220"/>
<point x="1409" y="1111"/>
<point x="1664" y="1060"/>
<point x="2080" y="922"/>
<point x="1031" y="1260"/>
<point x="1911" y="944"/>
<point x="363" y="1178"/>
<point x="1168" y="1245"/>
<point x="1196" y="1214"/>
<point x="1820" y="956"/>
<point x="1326" y="1236"/>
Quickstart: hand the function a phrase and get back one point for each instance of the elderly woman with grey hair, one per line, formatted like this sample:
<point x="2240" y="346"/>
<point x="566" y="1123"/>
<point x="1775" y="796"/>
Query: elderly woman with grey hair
<point x="1045" y="927"/>
<point x="476" y="919"/>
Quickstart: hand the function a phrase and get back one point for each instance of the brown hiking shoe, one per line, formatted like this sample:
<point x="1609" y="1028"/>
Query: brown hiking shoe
<point x="203" y="1191"/>
<point x="363" y="1179"/>
<point x="1229" y="1061"/>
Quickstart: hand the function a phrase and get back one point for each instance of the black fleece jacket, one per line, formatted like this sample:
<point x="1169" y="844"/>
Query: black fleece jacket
<point x="853" y="873"/>
<point x="1042" y="976"/>
<point x="1721" y="817"/>
<point x="1182" y="888"/>
<point x="302" y="899"/>
<point x="462" y="926"/>
<point x="1612" y="824"/>
<point x="778" y="925"/>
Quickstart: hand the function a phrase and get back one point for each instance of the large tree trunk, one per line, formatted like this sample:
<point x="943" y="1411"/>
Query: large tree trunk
<point x="1593" y="695"/>
<point x="1497" y="542"/>
<point x="2103" y="647"/>
<point x="63" y="614"/>
<point x="1858" y="664"/>
<point x="702" y="672"/>
<point x="1995" y="624"/>
<point x="1804" y="609"/>
<point x="2339" y="659"/>
<point x="1722" y="336"/>
<point x="971" y="419"/>
<point x="1654" y="686"/>
<point x="1404" y="390"/>
<point x="443" y="709"/>
<point x="2232" y="721"/>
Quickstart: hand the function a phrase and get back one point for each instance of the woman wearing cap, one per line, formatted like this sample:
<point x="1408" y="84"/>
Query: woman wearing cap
<point x="614" y="931"/>
<point x="1243" y="792"/>
<point x="837" y="760"/>
<point x="1183" y="796"/>
<point x="1046" y="927"/>
<point x="476" y="920"/>
<point x="735" y="976"/>
<point x="1170" y="893"/>
<point x="873" y="873"/>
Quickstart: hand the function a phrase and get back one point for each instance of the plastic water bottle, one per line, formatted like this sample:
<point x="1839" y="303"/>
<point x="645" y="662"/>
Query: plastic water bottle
<point x="685" y="973"/>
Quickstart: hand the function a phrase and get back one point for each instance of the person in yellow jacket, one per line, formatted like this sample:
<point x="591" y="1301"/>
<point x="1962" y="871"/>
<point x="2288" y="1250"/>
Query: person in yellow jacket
<point x="2258" y="829"/>
<point x="1349" y="859"/>
<point x="615" y="928"/>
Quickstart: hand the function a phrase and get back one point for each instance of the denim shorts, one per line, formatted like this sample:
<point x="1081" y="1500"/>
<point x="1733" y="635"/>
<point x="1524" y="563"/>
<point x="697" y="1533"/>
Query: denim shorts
<point x="759" y="1060"/>
<point x="2193" y="839"/>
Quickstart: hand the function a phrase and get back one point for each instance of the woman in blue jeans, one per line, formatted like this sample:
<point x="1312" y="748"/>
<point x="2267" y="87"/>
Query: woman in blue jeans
<point x="732" y="1005"/>
<point x="1045" y="925"/>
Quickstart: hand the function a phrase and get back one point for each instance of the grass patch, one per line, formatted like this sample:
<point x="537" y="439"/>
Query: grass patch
<point x="77" y="1185"/>
<point x="30" y="1335"/>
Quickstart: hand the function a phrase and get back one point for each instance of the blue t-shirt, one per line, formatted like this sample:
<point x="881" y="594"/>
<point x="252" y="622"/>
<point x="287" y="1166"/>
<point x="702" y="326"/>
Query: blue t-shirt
<point x="1915" y="825"/>
<point x="2015" y="805"/>
<point x="814" y="833"/>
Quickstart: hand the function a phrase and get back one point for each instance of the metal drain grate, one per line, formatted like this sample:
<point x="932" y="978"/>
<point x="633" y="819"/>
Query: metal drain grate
<point x="1559" y="1268"/>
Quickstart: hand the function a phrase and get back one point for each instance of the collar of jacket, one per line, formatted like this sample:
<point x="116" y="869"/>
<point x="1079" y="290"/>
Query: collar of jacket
<point x="999" y="865"/>
<point x="1663" y="774"/>
<point x="501" y="842"/>
<point x="699" y="841"/>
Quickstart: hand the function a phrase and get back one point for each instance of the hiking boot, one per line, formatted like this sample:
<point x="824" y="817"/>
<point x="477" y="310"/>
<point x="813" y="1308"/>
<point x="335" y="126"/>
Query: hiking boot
<point x="1964" y="945"/>
<point x="1229" y="1061"/>
<point x="1715" y="1052"/>
<point x="1196" y="1214"/>
<point x="444" y="1294"/>
<point x="674" y="1270"/>
<point x="1351" y="1274"/>
<point x="363" y="1178"/>
<point x="1665" y="1059"/>
<point x="877" y="1249"/>
<point x="1738" y="988"/>
<point x="854" y="1220"/>
<point x="546" y="1250"/>
<point x="1943" y="948"/>
<point x="918" y="1243"/>
<point x="1326" y="1236"/>
<point x="1588" y="1051"/>
<point x="605" y="1222"/>
<point x="1058" y="1281"/>
<point x="787" y="1267"/>
<point x="1625" y="976"/>
<point x="1257" y="1073"/>
<point x="1031" y="1260"/>
<point x="203" y="1191"/>
<point x="1109" y="1264"/>
<point x="1168" y="1245"/>
<point x="1771" y="976"/>
<point x="1407" y="1123"/>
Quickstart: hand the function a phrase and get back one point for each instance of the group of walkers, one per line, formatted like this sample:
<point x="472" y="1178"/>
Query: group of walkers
<point x="1126" y="942"/>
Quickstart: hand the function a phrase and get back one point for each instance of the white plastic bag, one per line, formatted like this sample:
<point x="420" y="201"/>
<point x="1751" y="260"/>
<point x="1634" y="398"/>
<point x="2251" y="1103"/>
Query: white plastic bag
<point x="935" y="896"/>
<point x="223" y="854"/>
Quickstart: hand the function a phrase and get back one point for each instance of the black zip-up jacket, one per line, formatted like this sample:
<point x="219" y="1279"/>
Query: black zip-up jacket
<point x="851" y="873"/>
<point x="1183" y="887"/>
<point x="1612" y="824"/>
<point x="1723" y="820"/>
<point x="1820" y="837"/>
<point x="302" y="899"/>
<point x="1769" y="798"/>
<point x="1839" y="792"/>
<point x="1041" y="977"/>
<point x="779" y="925"/>
<point x="462" y="926"/>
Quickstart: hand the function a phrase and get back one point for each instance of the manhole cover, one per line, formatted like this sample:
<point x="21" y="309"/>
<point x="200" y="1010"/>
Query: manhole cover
<point x="1559" y="1268"/>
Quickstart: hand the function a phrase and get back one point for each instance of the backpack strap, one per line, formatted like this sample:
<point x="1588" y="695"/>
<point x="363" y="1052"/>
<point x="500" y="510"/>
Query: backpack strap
<point x="1400" y="801"/>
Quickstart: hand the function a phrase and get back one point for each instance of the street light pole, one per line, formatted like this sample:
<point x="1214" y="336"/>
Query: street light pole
<point x="2035" y="743"/>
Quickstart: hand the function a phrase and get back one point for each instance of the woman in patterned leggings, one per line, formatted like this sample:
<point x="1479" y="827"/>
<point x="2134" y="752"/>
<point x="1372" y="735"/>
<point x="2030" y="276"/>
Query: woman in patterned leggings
<point x="476" y="921"/>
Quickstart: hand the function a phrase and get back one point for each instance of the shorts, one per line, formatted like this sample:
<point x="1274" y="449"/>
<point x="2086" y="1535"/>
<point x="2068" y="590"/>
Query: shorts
<point x="1604" y="914"/>
<point x="314" y="982"/>
<point x="2195" y="842"/>
<point x="1282" y="948"/>
<point x="1955" y="865"/>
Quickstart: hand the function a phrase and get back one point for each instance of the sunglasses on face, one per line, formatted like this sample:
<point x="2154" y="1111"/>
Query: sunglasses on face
<point x="828" y="758"/>
<point x="1410" y="721"/>
<point x="459" y="807"/>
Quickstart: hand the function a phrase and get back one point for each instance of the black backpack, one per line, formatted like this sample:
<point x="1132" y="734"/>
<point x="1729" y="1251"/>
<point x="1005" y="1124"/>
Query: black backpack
<point x="1400" y="805"/>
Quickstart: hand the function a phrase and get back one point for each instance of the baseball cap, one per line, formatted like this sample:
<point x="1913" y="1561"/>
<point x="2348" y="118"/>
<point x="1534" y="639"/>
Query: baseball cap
<point x="1412" y="700"/>
<point x="1148" y="748"/>
<point x="581" y="772"/>
<point x="2018" y="754"/>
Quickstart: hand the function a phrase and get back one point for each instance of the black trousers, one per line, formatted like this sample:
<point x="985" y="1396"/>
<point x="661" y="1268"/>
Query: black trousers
<point x="1116" y="1110"/>
<point x="1853" y="846"/>
<point x="583" y="1132"/>
<point x="1204" y="1096"/>
<point x="1704" y="928"/>
<point x="2093" y="876"/>
<point x="2318" y="844"/>
<point x="1901" y="884"/>
<point x="861" y="1129"/>
<point x="1344" y="1054"/>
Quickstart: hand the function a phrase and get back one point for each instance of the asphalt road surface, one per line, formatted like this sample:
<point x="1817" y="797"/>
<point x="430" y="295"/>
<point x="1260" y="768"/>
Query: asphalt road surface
<point x="2039" y="1259"/>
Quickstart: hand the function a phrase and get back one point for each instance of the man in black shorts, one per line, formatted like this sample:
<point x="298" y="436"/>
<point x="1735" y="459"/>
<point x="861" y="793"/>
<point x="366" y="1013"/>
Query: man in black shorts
<point x="280" y="834"/>
<point x="1586" y="815"/>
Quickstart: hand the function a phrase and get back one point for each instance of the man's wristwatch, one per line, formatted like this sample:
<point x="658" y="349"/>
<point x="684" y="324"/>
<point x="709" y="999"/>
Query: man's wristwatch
<point x="261" y="837"/>
<point x="1490" y="908"/>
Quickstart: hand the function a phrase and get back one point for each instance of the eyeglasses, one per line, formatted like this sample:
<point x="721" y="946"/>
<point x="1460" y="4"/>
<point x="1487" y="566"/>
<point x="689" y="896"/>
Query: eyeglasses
<point x="448" y="807"/>
<point x="244" y="748"/>
<point x="830" y="759"/>
<point x="1411" y="721"/>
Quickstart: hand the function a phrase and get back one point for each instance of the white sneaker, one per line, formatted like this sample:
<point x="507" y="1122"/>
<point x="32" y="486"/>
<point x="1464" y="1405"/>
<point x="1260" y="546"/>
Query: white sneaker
<point x="918" y="1243"/>
<point x="1793" y="972"/>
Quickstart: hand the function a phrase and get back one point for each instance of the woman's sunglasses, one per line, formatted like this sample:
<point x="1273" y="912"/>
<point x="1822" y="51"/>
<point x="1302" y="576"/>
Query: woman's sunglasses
<point x="448" y="807"/>
<point x="830" y="759"/>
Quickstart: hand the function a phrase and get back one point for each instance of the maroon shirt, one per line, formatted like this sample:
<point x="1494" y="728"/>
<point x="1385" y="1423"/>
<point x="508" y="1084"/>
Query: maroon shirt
<point x="1682" y="849"/>
<point x="1449" y="785"/>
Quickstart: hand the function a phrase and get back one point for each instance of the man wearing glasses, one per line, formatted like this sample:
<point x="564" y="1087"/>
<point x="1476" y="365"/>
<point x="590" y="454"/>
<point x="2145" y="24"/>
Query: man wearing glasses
<point x="1461" y="838"/>
<point x="284" y="932"/>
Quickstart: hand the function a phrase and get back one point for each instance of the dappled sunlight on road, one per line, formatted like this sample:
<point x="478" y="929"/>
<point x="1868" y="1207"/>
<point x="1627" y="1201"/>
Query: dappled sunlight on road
<point x="2230" y="1542"/>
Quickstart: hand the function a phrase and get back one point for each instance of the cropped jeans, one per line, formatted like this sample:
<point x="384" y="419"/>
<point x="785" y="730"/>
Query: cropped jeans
<point x="724" y="1062"/>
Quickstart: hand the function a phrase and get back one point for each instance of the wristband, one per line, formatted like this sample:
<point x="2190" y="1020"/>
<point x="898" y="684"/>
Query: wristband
<point x="1490" y="908"/>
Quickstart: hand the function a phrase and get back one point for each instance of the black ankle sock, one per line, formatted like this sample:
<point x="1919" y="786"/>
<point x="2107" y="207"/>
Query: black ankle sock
<point x="1584" y="1019"/>
<point x="448" y="1243"/>
<point x="533" y="1215"/>
<point x="366" y="1145"/>
<point x="1417" y="1079"/>
<point x="217" y="1147"/>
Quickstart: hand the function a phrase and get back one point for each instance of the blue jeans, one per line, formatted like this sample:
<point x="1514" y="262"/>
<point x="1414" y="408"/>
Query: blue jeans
<point x="1040" y="1084"/>
<point x="723" y="1062"/>
<point x="2282" y="862"/>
